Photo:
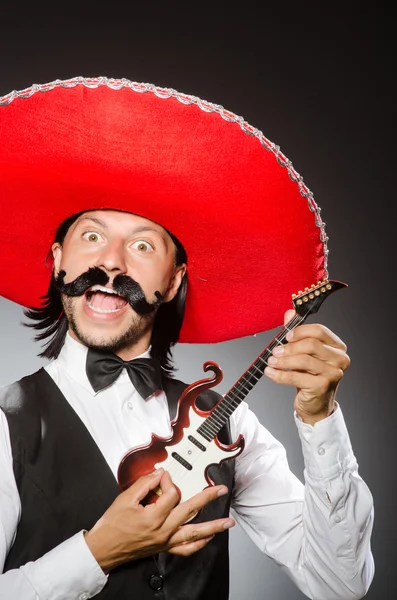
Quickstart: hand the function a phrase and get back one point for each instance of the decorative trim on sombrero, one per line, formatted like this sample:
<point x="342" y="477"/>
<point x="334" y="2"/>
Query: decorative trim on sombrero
<point x="165" y="93"/>
<point x="241" y="213"/>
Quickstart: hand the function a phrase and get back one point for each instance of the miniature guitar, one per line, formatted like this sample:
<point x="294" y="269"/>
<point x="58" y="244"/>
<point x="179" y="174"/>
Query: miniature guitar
<point x="193" y="446"/>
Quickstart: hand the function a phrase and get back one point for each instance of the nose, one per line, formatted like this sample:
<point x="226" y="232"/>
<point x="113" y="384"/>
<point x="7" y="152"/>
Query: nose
<point x="112" y="257"/>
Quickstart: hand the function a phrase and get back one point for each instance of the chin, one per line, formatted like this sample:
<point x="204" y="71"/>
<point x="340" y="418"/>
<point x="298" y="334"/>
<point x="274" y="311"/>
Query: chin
<point x="113" y="339"/>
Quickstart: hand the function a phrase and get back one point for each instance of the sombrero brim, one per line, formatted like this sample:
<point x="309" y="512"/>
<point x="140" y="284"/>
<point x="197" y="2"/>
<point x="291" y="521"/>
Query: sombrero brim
<point x="252" y="230"/>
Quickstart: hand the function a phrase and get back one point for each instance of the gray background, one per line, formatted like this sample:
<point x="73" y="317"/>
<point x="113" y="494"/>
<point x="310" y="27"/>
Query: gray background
<point x="319" y="82"/>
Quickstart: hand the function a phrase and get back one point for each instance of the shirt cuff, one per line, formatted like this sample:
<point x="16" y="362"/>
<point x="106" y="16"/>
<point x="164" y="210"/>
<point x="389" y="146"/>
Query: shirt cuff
<point x="326" y="446"/>
<point x="69" y="571"/>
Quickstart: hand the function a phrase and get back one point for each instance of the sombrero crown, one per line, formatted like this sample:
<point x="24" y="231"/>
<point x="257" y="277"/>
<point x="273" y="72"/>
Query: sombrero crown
<point x="252" y="230"/>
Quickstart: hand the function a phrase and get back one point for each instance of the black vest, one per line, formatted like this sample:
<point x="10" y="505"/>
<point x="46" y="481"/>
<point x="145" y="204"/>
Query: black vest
<point x="65" y="485"/>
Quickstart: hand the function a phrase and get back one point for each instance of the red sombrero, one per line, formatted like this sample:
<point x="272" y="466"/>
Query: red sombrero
<point x="252" y="230"/>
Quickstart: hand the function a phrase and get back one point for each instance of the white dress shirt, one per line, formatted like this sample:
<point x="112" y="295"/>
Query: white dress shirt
<point x="319" y="533"/>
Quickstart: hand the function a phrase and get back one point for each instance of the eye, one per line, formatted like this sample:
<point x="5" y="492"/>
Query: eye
<point x="142" y="246"/>
<point x="92" y="236"/>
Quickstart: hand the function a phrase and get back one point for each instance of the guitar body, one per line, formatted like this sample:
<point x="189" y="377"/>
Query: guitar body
<point x="186" y="455"/>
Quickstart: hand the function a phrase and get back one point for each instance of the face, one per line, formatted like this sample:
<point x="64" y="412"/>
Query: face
<point x="119" y="244"/>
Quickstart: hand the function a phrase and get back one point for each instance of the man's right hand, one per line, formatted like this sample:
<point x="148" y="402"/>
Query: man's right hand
<point x="128" y="530"/>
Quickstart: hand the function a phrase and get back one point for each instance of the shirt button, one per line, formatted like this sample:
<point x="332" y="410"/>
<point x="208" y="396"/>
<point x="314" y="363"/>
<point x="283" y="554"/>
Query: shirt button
<point x="156" y="582"/>
<point x="321" y="451"/>
<point x="130" y="406"/>
<point x="337" y="519"/>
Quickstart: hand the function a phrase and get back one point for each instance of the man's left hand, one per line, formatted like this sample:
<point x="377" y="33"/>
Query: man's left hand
<point x="314" y="361"/>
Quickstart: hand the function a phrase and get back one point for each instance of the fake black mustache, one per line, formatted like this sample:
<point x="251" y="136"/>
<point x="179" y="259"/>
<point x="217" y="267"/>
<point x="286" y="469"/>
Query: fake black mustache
<point x="123" y="285"/>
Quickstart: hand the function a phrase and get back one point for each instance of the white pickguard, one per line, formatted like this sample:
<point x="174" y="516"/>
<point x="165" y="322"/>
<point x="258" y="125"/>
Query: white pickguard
<point x="191" y="482"/>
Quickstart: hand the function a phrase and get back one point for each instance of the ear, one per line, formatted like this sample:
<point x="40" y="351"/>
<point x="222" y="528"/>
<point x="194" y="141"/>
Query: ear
<point x="56" y="250"/>
<point x="175" y="283"/>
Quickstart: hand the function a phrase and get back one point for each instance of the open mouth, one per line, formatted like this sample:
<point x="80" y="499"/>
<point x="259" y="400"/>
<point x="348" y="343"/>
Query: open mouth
<point x="101" y="299"/>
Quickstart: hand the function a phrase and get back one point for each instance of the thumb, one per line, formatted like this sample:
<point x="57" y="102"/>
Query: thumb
<point x="288" y="315"/>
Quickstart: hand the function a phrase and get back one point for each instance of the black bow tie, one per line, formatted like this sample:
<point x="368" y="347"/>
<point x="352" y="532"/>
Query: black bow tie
<point x="103" y="368"/>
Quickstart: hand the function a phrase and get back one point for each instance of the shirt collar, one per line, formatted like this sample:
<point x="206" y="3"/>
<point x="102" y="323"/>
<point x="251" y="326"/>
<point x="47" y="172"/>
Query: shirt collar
<point x="72" y="360"/>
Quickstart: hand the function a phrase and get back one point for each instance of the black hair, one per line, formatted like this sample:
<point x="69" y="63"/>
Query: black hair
<point x="52" y="323"/>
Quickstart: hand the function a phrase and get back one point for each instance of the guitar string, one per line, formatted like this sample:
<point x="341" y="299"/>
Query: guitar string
<point x="217" y="419"/>
<point x="213" y="428"/>
<point x="233" y="400"/>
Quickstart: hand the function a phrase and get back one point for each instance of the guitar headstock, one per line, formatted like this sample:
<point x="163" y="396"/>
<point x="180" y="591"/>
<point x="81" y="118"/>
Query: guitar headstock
<point x="310" y="299"/>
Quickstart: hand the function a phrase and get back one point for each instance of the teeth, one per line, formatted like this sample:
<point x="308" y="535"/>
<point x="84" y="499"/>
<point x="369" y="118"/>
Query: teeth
<point x="102" y="310"/>
<point x="101" y="288"/>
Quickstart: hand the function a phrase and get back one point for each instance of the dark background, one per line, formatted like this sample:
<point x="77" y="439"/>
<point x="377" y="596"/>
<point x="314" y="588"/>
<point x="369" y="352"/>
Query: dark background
<point x="319" y="81"/>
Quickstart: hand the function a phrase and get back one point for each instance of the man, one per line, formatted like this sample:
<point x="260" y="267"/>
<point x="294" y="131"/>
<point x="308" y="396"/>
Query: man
<point x="135" y="187"/>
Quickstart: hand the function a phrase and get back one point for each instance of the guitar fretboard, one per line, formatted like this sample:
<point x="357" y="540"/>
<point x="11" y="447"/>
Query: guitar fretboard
<point x="237" y="393"/>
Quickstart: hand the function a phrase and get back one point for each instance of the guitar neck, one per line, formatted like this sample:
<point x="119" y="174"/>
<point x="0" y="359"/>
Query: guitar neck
<point x="305" y="303"/>
<point x="237" y="393"/>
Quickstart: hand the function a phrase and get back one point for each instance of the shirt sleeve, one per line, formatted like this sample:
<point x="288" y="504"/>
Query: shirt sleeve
<point x="319" y="532"/>
<point x="68" y="572"/>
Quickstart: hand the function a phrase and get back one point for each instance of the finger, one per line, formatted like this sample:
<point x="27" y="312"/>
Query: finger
<point x="197" y="531"/>
<point x="191" y="548"/>
<point x="317" y="331"/>
<point x="195" y="537"/>
<point x="304" y="363"/>
<point x="288" y="315"/>
<point x="145" y="484"/>
<point x="310" y="347"/>
<point x="188" y="509"/>
<point x="168" y="496"/>
<point x="317" y="384"/>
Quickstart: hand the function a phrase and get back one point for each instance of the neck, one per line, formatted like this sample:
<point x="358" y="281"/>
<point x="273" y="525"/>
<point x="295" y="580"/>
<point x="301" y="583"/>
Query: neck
<point x="136" y="350"/>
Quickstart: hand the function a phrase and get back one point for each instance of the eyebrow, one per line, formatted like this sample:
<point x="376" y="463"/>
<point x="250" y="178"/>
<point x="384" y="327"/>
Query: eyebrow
<point x="138" y="229"/>
<point x="93" y="219"/>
